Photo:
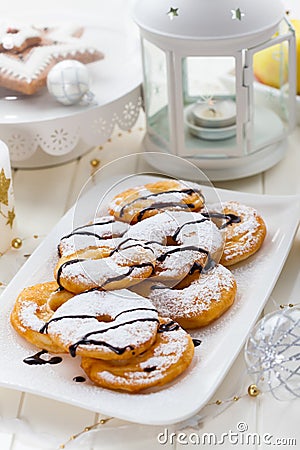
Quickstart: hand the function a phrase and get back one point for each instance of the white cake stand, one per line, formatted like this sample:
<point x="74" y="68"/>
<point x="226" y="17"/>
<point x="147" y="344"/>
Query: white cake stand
<point x="41" y="132"/>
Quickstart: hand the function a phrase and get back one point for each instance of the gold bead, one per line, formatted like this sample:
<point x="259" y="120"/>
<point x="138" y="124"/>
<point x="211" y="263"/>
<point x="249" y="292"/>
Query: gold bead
<point x="109" y="140"/>
<point x="218" y="402"/>
<point x="100" y="147"/>
<point x="16" y="243"/>
<point x="95" y="162"/>
<point x="129" y="131"/>
<point x="236" y="398"/>
<point x="35" y="236"/>
<point x="62" y="446"/>
<point x="291" y="305"/>
<point x="102" y="422"/>
<point x="253" y="390"/>
<point x="281" y="306"/>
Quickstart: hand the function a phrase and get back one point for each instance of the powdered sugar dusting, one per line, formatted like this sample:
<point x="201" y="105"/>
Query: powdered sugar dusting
<point x="195" y="298"/>
<point x="120" y="306"/>
<point x="167" y="354"/>
<point x="28" y="315"/>
<point x="92" y="235"/>
<point x="97" y="272"/>
<point x="242" y="236"/>
<point x="195" y="229"/>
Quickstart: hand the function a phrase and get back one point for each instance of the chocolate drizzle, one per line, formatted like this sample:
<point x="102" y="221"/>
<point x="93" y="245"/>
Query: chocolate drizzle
<point x="179" y="229"/>
<point x="118" y="350"/>
<point x="197" y="342"/>
<point x="109" y="280"/>
<point x="65" y="264"/>
<point x="166" y="327"/>
<point x="197" y="267"/>
<point x="136" y="244"/>
<point x="79" y="379"/>
<point x="77" y="231"/>
<point x="150" y="369"/>
<point x="129" y="272"/>
<point x="162" y="205"/>
<point x="36" y="360"/>
<point x="44" y="328"/>
<point x="230" y="218"/>
<point x="106" y="222"/>
<point x="162" y="257"/>
<point x="210" y="263"/>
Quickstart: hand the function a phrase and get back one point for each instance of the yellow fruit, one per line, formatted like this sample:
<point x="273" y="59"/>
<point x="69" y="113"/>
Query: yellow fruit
<point x="296" y="25"/>
<point x="270" y="66"/>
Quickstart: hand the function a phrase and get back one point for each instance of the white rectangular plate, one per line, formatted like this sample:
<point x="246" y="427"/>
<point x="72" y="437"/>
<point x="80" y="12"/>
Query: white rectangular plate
<point x="221" y="342"/>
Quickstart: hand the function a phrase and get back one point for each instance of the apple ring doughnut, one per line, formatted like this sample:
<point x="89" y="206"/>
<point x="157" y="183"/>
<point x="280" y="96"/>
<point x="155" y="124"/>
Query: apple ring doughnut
<point x="91" y="236"/>
<point x="198" y="303"/>
<point x="103" y="250"/>
<point x="174" y="263"/>
<point x="31" y="311"/>
<point x="104" y="324"/>
<point x="180" y="228"/>
<point x="243" y="237"/>
<point x="138" y="203"/>
<point x="128" y="264"/>
<point x="165" y="360"/>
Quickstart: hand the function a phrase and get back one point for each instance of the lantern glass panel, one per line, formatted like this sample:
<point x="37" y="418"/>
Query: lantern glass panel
<point x="270" y="112"/>
<point x="156" y="92"/>
<point x="209" y="101"/>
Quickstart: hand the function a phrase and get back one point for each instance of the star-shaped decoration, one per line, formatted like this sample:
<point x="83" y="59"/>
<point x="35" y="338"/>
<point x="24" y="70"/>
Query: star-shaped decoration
<point x="4" y="187"/>
<point x="173" y="12"/>
<point x="237" y="14"/>
<point x="11" y="217"/>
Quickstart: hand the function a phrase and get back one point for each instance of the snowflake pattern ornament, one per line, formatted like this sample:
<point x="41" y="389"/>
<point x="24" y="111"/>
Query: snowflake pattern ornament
<point x="272" y="353"/>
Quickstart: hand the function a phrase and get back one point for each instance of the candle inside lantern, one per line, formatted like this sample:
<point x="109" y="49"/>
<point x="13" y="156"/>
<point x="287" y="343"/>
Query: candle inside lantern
<point x="7" y="208"/>
<point x="214" y="113"/>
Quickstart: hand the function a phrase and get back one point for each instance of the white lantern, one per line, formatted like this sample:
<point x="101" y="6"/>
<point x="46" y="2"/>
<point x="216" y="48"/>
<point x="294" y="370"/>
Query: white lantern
<point x="202" y="100"/>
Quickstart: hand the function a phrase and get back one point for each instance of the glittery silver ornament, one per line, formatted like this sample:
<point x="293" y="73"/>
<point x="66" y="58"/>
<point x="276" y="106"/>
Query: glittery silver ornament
<point x="272" y="353"/>
<point x="68" y="82"/>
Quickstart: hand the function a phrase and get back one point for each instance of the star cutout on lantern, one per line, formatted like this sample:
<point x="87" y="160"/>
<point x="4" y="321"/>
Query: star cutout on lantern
<point x="173" y="12"/>
<point x="11" y="217"/>
<point x="4" y="186"/>
<point x="237" y="14"/>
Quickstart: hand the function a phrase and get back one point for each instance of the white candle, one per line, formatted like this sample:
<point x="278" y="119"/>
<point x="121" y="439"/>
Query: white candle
<point x="215" y="114"/>
<point x="7" y="205"/>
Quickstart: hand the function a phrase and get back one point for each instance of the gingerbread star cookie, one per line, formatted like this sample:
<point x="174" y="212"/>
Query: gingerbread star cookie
<point x="28" y="53"/>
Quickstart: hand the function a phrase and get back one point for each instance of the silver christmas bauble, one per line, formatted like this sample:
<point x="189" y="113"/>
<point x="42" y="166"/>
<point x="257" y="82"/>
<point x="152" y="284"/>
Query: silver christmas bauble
<point x="68" y="81"/>
<point x="272" y="353"/>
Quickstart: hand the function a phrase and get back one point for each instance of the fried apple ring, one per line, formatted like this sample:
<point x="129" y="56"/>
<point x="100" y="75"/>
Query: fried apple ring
<point x="91" y="236"/>
<point x="198" y="300"/>
<point x="179" y="228"/>
<point x="104" y="324"/>
<point x="128" y="264"/>
<point x="31" y="311"/>
<point x="243" y="237"/>
<point x="165" y="360"/>
<point x="138" y="203"/>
